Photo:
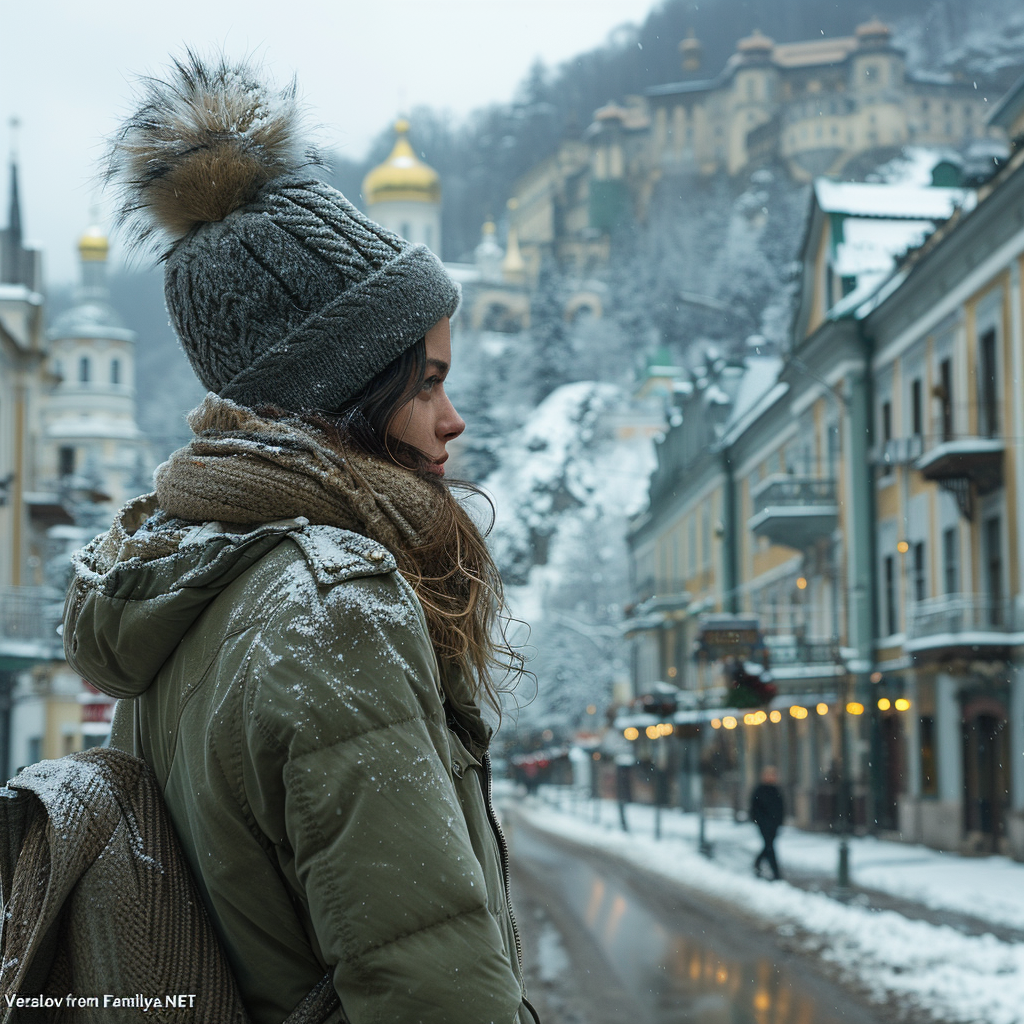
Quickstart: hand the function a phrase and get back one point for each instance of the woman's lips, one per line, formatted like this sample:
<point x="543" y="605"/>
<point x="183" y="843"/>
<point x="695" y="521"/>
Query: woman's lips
<point x="437" y="467"/>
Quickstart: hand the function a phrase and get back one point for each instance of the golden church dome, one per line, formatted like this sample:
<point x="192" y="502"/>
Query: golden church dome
<point x="93" y="246"/>
<point x="403" y="176"/>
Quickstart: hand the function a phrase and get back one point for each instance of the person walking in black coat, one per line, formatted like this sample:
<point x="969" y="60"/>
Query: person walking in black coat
<point x="767" y="811"/>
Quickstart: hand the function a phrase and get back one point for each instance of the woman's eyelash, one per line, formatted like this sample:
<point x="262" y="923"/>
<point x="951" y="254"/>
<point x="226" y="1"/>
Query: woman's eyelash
<point x="429" y="383"/>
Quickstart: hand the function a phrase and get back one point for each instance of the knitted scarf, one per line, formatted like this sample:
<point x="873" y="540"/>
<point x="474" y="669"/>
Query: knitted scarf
<point x="243" y="468"/>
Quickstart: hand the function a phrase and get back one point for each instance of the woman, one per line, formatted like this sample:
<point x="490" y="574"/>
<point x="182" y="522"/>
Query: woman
<point x="299" y="621"/>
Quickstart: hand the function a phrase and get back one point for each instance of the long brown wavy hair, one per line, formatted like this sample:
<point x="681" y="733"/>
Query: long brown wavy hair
<point x="450" y="568"/>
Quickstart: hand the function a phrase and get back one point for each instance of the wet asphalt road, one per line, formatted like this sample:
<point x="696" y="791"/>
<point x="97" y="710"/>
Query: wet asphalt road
<point x="608" y="944"/>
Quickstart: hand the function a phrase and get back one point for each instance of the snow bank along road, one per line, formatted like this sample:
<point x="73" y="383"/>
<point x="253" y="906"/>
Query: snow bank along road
<point x="926" y="969"/>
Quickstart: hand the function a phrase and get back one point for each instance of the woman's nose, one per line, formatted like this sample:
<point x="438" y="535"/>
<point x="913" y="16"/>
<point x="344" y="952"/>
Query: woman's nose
<point x="452" y="424"/>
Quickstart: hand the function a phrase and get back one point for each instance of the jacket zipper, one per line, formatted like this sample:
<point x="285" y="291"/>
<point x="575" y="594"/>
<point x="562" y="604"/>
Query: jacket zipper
<point x="503" y="851"/>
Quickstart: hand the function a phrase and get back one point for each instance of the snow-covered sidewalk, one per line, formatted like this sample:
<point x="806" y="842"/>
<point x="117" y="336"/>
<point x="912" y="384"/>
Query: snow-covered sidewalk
<point x="956" y="977"/>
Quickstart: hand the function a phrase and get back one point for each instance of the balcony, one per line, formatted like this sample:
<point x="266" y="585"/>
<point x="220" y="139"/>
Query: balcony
<point x="29" y="617"/>
<point x="658" y="604"/>
<point x="794" y="511"/>
<point x="792" y="656"/>
<point x="953" y="461"/>
<point x="970" y="625"/>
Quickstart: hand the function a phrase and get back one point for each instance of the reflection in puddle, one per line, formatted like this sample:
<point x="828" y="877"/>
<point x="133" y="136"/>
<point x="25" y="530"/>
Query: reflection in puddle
<point x="674" y="970"/>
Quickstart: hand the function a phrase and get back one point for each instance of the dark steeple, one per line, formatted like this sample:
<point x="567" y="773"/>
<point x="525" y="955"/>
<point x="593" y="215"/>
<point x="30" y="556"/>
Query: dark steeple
<point x="18" y="265"/>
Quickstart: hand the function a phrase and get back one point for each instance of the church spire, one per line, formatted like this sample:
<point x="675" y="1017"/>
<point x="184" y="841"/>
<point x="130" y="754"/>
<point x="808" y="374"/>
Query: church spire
<point x="14" y="211"/>
<point x="17" y="265"/>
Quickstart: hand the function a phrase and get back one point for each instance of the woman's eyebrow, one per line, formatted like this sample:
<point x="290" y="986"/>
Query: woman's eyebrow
<point x="439" y="365"/>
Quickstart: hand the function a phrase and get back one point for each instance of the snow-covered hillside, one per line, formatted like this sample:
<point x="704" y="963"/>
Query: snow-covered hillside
<point x="568" y="479"/>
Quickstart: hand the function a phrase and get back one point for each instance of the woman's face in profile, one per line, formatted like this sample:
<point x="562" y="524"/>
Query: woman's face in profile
<point x="428" y="421"/>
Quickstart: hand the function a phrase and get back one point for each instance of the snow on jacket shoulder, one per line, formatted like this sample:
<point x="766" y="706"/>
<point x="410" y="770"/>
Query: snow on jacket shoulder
<point x="285" y="691"/>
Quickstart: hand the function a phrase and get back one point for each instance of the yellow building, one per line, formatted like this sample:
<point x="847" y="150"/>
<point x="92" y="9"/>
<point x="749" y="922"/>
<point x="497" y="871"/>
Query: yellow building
<point x="876" y="519"/>
<point x="949" y="356"/>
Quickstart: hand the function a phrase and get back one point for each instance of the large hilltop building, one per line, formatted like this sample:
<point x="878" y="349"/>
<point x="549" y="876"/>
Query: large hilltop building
<point x="813" y="105"/>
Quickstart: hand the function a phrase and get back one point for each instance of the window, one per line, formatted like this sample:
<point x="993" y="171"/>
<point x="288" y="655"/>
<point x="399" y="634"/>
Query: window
<point x="987" y="384"/>
<point x="951" y="560"/>
<point x="886" y="436"/>
<point x="994" y="569"/>
<point x="920" y="583"/>
<point x="945" y="396"/>
<point x="34" y="749"/>
<point x="66" y="460"/>
<point x="890" y="595"/>
<point x="929" y="773"/>
<point x="83" y="370"/>
<point x="115" y="371"/>
<point x="916" y="412"/>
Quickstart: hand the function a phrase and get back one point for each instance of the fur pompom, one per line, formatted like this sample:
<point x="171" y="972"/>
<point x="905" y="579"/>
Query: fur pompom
<point x="202" y="143"/>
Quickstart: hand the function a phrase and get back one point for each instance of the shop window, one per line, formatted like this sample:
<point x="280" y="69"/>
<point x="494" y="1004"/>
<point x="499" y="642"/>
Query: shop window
<point x="84" y="370"/>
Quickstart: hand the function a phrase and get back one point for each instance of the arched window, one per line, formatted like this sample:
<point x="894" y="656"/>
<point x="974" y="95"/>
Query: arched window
<point x="115" y="371"/>
<point x="83" y="370"/>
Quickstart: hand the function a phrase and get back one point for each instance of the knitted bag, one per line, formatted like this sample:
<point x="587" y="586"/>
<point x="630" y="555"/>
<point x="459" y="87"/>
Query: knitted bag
<point x="97" y="899"/>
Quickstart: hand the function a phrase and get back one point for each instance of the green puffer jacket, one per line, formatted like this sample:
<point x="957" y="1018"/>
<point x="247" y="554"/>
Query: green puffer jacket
<point x="282" y="685"/>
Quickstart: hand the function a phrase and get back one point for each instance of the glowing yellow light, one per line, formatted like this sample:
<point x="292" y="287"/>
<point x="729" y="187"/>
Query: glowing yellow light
<point x="672" y="672"/>
<point x="822" y="709"/>
<point x="667" y="729"/>
<point x="854" y="708"/>
<point x="729" y="722"/>
<point x="776" y="716"/>
<point x="716" y="723"/>
<point x="903" y="547"/>
<point x="876" y="677"/>
<point x="903" y="704"/>
<point x="761" y="717"/>
<point x="694" y="967"/>
<point x="652" y="732"/>
<point x="721" y="976"/>
<point x="762" y="1001"/>
<point x="884" y="703"/>
<point x="801" y="583"/>
<point x="798" y="712"/>
<point x="631" y="733"/>
<point x="591" y="709"/>
<point x="750" y="718"/>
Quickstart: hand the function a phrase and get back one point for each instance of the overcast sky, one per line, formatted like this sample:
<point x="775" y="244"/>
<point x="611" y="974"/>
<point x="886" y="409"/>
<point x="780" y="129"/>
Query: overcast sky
<point x="67" y="66"/>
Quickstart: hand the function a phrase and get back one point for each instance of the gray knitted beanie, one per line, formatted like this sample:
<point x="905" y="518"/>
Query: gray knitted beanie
<point x="280" y="290"/>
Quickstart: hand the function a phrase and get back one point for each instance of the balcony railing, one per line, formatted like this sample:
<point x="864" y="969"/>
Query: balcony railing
<point x="962" y="621"/>
<point x="29" y="617"/>
<point x="792" y="656"/>
<point x="978" y="460"/>
<point x="794" y="511"/>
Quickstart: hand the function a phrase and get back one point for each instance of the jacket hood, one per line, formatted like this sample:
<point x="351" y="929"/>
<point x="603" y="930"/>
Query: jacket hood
<point x="138" y="588"/>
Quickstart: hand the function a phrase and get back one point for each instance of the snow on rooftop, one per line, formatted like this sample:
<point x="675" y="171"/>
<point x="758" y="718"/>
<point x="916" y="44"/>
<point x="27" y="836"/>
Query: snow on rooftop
<point x="761" y="375"/>
<point x="872" y="245"/>
<point x="880" y="199"/>
<point x="914" y="166"/>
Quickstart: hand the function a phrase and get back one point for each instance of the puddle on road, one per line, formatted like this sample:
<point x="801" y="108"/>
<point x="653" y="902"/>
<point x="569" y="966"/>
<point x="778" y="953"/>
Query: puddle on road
<point x="673" y="973"/>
